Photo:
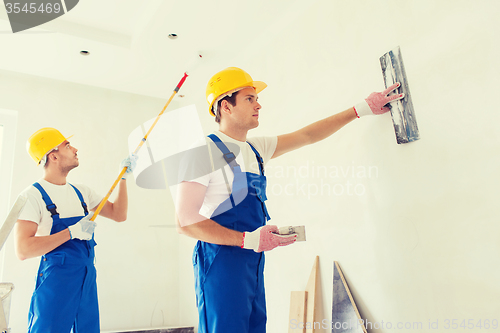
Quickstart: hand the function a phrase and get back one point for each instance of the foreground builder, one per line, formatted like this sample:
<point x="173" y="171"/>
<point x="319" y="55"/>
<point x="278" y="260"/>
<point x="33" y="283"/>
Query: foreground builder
<point x="231" y="228"/>
<point x="55" y="224"/>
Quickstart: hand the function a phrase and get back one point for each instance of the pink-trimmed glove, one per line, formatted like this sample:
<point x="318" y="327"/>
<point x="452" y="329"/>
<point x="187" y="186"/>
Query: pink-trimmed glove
<point x="266" y="238"/>
<point x="375" y="103"/>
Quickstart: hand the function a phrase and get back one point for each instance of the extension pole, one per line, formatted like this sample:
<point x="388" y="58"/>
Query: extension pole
<point x="103" y="202"/>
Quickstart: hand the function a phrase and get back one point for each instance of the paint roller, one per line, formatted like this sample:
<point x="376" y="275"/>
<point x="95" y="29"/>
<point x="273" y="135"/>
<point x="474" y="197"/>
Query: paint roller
<point x="189" y="69"/>
<point x="402" y="112"/>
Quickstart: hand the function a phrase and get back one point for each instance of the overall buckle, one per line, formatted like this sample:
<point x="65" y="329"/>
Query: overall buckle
<point x="52" y="209"/>
<point x="229" y="157"/>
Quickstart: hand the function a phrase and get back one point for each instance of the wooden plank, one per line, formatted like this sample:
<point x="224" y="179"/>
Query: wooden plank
<point x="311" y="297"/>
<point x="298" y="309"/>
<point x="345" y="314"/>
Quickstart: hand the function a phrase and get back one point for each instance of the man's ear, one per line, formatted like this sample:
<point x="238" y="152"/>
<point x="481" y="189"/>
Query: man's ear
<point x="52" y="157"/>
<point x="225" y="107"/>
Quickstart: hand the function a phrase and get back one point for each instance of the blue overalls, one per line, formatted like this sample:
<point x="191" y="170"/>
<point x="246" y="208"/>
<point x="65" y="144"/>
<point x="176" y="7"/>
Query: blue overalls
<point x="229" y="280"/>
<point x="65" y="296"/>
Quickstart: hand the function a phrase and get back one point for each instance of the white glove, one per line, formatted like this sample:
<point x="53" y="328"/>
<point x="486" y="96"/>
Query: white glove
<point x="130" y="162"/>
<point x="266" y="238"/>
<point x="83" y="229"/>
<point x="375" y="103"/>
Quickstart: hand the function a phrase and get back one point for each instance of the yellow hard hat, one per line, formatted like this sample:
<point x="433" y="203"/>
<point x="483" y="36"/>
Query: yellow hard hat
<point x="229" y="79"/>
<point x="43" y="141"/>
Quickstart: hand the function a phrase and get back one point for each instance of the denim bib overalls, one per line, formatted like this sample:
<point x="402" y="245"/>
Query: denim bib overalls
<point x="229" y="280"/>
<point x="65" y="296"/>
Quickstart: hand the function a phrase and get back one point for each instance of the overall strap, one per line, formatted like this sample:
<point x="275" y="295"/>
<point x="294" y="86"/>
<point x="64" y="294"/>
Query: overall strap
<point x="230" y="159"/>
<point x="51" y="207"/>
<point x="228" y="155"/>
<point x="80" y="196"/>
<point x="259" y="159"/>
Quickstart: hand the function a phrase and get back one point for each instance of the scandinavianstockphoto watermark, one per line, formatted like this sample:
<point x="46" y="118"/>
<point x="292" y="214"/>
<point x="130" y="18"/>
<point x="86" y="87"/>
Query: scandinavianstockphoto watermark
<point x="474" y="325"/>
<point x="311" y="179"/>
<point x="27" y="14"/>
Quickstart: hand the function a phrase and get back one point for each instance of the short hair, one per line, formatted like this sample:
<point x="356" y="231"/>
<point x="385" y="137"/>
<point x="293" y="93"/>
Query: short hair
<point x="230" y="99"/>
<point x="45" y="159"/>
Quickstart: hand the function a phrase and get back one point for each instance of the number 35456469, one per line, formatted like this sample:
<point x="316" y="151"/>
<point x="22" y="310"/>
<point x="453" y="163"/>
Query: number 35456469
<point x="32" y="8"/>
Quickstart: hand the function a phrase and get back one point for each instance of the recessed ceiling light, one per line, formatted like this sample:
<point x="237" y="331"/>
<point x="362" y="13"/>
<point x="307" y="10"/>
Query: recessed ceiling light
<point x="172" y="36"/>
<point x="84" y="53"/>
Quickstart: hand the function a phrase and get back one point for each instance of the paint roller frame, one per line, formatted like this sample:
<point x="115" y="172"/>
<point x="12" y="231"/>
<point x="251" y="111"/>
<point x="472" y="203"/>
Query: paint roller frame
<point x="402" y="112"/>
<point x="199" y="56"/>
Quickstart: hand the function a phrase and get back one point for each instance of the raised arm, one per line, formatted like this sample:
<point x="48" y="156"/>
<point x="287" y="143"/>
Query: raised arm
<point x="375" y="103"/>
<point x="117" y="210"/>
<point x="313" y="133"/>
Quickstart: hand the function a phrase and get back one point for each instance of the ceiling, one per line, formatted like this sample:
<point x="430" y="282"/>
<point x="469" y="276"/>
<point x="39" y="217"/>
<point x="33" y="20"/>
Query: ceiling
<point x="129" y="46"/>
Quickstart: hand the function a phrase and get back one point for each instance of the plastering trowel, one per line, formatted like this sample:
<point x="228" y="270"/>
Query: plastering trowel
<point x="403" y="115"/>
<point x="300" y="231"/>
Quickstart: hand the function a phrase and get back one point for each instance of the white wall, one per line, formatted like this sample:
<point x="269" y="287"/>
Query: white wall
<point x="421" y="244"/>
<point x="136" y="263"/>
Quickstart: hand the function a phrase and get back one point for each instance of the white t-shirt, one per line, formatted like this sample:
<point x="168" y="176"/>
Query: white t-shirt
<point x="217" y="187"/>
<point x="63" y="196"/>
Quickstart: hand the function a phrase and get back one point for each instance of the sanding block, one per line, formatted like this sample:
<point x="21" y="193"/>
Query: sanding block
<point x="300" y="231"/>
